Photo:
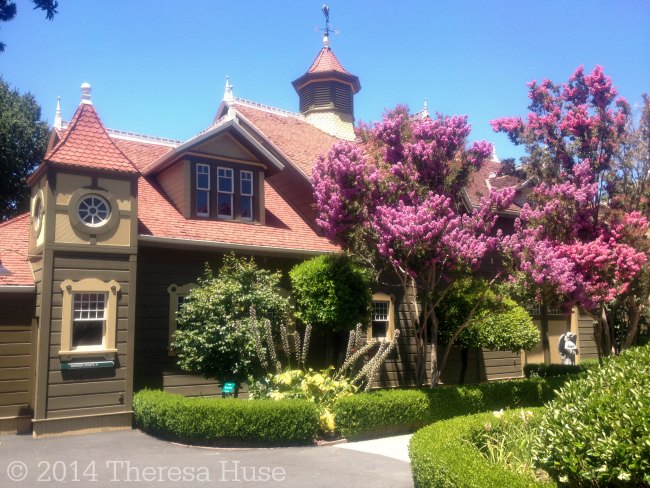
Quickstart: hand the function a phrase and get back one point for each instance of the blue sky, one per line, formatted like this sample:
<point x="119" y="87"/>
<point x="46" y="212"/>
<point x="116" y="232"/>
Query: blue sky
<point x="159" y="67"/>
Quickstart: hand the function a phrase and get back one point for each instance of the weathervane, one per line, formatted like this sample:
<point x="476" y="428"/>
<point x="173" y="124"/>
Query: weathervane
<point x="326" y="31"/>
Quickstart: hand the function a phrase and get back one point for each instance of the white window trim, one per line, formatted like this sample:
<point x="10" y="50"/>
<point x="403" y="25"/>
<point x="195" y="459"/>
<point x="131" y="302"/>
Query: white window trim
<point x="247" y="195"/>
<point x="89" y="285"/>
<point x="175" y="291"/>
<point x="231" y="192"/>
<point x="390" y="331"/>
<point x="198" y="188"/>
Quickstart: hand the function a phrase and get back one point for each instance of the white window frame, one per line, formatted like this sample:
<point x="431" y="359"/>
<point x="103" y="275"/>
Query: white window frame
<point x="200" y="166"/>
<point x="76" y="321"/>
<point x="89" y="285"/>
<point x="175" y="292"/>
<point x="231" y="192"/>
<point x="390" y="329"/>
<point x="247" y="195"/>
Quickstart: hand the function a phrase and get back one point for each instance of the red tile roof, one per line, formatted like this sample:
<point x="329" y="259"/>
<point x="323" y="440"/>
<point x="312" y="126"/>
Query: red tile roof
<point x="86" y="144"/>
<point x="141" y="153"/>
<point x="327" y="65"/>
<point x="478" y="185"/>
<point x="14" y="235"/>
<point x="284" y="228"/>
<point x="325" y="62"/>
<point x="300" y="141"/>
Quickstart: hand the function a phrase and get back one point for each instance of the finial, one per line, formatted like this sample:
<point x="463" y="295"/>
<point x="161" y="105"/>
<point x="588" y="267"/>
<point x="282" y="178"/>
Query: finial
<point x="425" y="109"/>
<point x="85" y="93"/>
<point x="58" y="121"/>
<point x="228" y="96"/>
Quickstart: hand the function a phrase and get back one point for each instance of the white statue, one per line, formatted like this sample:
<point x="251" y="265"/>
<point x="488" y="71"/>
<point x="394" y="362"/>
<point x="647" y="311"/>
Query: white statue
<point x="568" y="348"/>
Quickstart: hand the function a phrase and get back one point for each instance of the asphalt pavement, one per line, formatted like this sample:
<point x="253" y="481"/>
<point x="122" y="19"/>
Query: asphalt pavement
<point x="132" y="458"/>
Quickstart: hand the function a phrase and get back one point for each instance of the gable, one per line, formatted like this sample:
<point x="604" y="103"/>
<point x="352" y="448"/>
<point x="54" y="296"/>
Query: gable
<point x="226" y="146"/>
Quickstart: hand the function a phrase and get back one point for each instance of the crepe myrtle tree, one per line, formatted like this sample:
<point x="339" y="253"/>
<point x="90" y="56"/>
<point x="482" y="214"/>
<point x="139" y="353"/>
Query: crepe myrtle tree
<point x="561" y="253"/>
<point x="567" y="247"/>
<point x="395" y="199"/>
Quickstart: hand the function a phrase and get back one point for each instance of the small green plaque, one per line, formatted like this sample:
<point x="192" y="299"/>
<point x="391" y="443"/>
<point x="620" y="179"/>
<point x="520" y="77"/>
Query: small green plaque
<point x="228" y="388"/>
<point x="87" y="365"/>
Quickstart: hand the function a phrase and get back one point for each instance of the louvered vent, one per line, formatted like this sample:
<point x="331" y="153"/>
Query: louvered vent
<point x="343" y="98"/>
<point x="326" y="95"/>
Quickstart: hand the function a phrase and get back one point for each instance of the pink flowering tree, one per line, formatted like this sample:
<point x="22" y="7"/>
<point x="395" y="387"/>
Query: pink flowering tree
<point x="395" y="198"/>
<point x="563" y="249"/>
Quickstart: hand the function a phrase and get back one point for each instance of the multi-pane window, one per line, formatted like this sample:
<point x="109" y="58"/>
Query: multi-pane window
<point x="89" y="318"/>
<point x="203" y="190"/>
<point x="380" y="318"/>
<point x="535" y="309"/>
<point x="246" y="190"/>
<point x="224" y="193"/>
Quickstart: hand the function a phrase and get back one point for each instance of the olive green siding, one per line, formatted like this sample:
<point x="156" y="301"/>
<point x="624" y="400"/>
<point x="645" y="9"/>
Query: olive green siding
<point x="15" y="357"/>
<point x="157" y="269"/>
<point x="88" y="391"/>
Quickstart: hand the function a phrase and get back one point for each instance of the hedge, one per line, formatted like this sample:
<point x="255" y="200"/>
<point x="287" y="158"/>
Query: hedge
<point x="596" y="432"/>
<point x="225" y="421"/>
<point x="386" y="412"/>
<point x="442" y="456"/>
<point x="549" y="370"/>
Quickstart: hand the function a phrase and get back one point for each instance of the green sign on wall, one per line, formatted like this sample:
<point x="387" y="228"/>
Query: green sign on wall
<point x="87" y="365"/>
<point x="228" y="388"/>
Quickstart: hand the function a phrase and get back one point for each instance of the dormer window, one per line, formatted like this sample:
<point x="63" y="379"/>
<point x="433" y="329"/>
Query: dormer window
<point x="203" y="190"/>
<point x="226" y="190"/>
<point x="224" y="193"/>
<point x="246" y="191"/>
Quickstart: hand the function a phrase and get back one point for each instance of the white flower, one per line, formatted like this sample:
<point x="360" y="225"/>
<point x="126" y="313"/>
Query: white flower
<point x="498" y="413"/>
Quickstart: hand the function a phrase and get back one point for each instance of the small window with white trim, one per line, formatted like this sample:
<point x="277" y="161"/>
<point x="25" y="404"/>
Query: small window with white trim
<point x="89" y="320"/>
<point x="382" y="323"/>
<point x="246" y="190"/>
<point x="178" y="295"/>
<point x="224" y="193"/>
<point x="203" y="190"/>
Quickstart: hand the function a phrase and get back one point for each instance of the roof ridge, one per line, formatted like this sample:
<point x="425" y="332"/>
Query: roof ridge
<point x="14" y="219"/>
<point x="134" y="136"/>
<point x="270" y="109"/>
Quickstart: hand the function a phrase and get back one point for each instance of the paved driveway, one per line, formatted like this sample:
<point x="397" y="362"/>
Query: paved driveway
<point x="131" y="458"/>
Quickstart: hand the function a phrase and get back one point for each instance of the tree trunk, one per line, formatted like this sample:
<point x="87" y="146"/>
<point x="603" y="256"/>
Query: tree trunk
<point x="464" y="357"/>
<point x="634" y="316"/>
<point x="604" y="329"/>
<point x="546" y="346"/>
<point x="436" y="368"/>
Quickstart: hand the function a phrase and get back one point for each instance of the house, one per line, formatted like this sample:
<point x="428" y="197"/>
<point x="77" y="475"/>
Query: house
<point x="120" y="227"/>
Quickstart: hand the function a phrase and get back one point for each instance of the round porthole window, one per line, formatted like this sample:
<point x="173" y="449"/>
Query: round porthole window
<point x="37" y="213"/>
<point x="93" y="210"/>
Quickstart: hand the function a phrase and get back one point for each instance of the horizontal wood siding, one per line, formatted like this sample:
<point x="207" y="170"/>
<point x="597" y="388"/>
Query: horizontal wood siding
<point x="16" y="313"/>
<point x="173" y="182"/>
<point x="157" y="269"/>
<point x="586" y="343"/>
<point x="497" y="365"/>
<point x="87" y="391"/>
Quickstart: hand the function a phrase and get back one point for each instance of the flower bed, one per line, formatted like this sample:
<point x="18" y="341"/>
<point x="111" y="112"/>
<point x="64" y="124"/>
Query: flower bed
<point x="444" y="454"/>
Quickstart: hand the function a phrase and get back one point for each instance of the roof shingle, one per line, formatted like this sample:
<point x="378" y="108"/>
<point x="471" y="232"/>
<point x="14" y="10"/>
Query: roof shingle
<point x="14" y="235"/>
<point x="87" y="145"/>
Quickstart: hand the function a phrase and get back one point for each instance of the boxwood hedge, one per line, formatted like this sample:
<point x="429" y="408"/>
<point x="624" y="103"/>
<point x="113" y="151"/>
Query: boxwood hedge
<point x="386" y="412"/>
<point x="442" y="456"/>
<point x="225" y="421"/>
<point x="548" y="370"/>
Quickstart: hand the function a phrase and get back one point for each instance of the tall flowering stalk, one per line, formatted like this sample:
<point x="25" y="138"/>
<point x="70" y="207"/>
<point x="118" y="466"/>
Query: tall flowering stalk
<point x="397" y="197"/>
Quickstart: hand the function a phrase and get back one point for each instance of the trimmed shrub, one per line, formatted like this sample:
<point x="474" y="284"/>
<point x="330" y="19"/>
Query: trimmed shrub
<point x="399" y="411"/>
<point x="549" y="370"/>
<point x="331" y="292"/>
<point x="225" y="421"/>
<point x="499" y="323"/>
<point x="597" y="430"/>
<point x="443" y="455"/>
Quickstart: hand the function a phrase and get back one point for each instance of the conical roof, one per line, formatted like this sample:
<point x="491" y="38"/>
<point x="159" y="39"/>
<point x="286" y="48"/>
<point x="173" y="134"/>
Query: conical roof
<point x="327" y="64"/>
<point x="86" y="145"/>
